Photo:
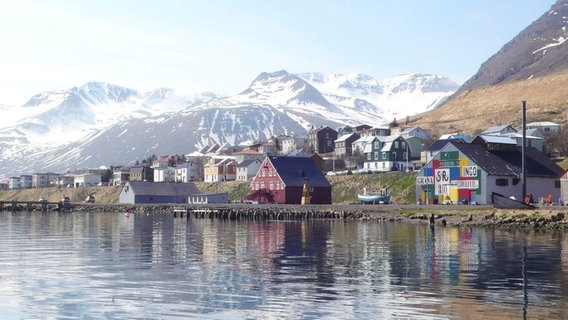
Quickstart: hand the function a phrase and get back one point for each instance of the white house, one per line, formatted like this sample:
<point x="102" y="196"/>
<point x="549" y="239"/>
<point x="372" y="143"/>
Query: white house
<point x="164" y="174"/>
<point x="290" y="144"/>
<point x="187" y="171"/>
<point x="14" y="183"/>
<point x="247" y="169"/>
<point x="26" y="181"/>
<point x="86" y="180"/>
<point x="545" y="127"/>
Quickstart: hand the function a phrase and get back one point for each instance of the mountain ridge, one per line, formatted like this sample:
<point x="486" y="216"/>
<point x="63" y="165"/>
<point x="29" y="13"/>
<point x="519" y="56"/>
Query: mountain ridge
<point x="130" y="126"/>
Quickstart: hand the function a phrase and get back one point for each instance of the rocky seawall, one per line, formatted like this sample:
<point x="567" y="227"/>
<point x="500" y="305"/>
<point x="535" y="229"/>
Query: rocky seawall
<point x="543" y="218"/>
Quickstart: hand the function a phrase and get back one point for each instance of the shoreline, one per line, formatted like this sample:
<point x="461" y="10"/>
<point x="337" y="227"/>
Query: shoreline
<point x="541" y="218"/>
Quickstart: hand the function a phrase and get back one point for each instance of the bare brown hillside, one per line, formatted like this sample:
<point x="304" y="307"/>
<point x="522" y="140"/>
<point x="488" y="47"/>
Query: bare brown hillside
<point x="473" y="111"/>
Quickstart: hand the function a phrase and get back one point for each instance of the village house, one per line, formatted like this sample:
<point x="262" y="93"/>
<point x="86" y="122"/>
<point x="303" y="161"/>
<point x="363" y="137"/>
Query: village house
<point x="389" y="153"/>
<point x="344" y="144"/>
<point x="417" y="132"/>
<point x="219" y="169"/>
<point x="358" y="146"/>
<point x="533" y="138"/>
<point x="44" y="180"/>
<point x="499" y="130"/>
<point x="137" y="192"/>
<point x="141" y="173"/>
<point x="282" y="179"/>
<point x="544" y="127"/>
<point x="86" y="180"/>
<point x="186" y="172"/>
<point x="164" y="174"/>
<point x="26" y="181"/>
<point x="376" y="132"/>
<point x="292" y="144"/>
<point x="120" y="175"/>
<point x="322" y="140"/>
<point x="464" y="172"/>
<point x="14" y="183"/>
<point x="66" y="180"/>
<point x="247" y="154"/>
<point x="268" y="148"/>
<point x="247" y="169"/>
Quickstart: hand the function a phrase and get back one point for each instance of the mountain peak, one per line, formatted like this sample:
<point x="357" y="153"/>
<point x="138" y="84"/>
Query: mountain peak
<point x="73" y="127"/>
<point x="538" y="50"/>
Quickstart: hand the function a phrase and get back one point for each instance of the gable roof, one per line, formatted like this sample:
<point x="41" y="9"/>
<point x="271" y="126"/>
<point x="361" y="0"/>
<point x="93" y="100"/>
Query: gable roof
<point x="509" y="163"/>
<point x="347" y="136"/>
<point x="441" y="143"/>
<point x="498" y="129"/>
<point x="500" y="139"/>
<point x="293" y="171"/>
<point x="247" y="163"/>
<point x="161" y="188"/>
<point x="136" y="169"/>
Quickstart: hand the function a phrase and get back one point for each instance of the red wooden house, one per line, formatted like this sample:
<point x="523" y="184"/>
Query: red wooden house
<point x="281" y="180"/>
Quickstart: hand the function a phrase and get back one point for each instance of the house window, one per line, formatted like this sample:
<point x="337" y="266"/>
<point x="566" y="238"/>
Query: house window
<point x="376" y="145"/>
<point x="384" y="155"/>
<point x="393" y="156"/>
<point x="263" y="173"/>
<point x="369" y="156"/>
<point x="262" y="186"/>
<point x="271" y="185"/>
<point x="256" y="186"/>
<point x="502" y="182"/>
<point x="376" y="156"/>
<point x="396" y="144"/>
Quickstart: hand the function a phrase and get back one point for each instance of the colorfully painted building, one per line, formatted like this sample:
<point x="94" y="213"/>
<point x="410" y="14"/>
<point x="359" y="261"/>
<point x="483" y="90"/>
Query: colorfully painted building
<point x="469" y="172"/>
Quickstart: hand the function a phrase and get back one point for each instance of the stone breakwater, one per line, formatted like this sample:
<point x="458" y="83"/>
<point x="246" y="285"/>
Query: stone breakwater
<point x="545" y="218"/>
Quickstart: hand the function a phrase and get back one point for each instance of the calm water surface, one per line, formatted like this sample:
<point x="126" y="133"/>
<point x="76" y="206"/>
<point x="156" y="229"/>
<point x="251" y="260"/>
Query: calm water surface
<point x="107" y="266"/>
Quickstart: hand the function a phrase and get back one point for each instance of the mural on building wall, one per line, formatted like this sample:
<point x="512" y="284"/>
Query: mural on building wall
<point x="450" y="179"/>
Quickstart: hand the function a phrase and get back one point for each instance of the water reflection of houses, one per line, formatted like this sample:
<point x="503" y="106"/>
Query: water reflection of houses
<point x="303" y="253"/>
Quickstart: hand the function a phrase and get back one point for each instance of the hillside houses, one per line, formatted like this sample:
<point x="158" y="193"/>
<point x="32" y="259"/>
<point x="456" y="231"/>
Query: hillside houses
<point x="361" y="149"/>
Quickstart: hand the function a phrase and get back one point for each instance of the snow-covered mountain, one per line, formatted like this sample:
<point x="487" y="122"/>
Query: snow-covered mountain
<point x="103" y="124"/>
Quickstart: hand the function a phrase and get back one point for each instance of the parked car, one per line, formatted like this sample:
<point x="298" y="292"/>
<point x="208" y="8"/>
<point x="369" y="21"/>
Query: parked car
<point x="90" y="199"/>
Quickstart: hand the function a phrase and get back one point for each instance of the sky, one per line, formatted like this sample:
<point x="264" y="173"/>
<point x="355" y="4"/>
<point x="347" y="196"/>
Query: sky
<point x="223" y="45"/>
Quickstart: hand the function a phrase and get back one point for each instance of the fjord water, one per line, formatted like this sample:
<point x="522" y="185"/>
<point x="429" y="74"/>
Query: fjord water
<point x="156" y="266"/>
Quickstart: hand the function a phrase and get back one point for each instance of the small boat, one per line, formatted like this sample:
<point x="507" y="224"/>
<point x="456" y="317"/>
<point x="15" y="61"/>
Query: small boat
<point x="381" y="197"/>
<point x="502" y="202"/>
